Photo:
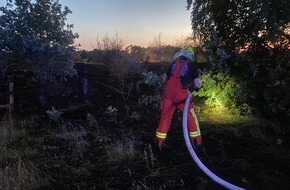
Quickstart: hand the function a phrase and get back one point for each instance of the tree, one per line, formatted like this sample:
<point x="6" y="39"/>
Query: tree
<point x="37" y="38"/>
<point x="240" y="23"/>
<point x="112" y="53"/>
<point x="248" y="40"/>
<point x="156" y="47"/>
<point x="137" y="52"/>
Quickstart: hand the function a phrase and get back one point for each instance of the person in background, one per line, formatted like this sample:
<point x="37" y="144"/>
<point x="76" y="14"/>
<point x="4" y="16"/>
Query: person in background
<point x="84" y="87"/>
<point x="181" y="76"/>
<point x="85" y="84"/>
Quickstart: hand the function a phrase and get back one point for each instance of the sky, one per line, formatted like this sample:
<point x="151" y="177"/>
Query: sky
<point x="136" y="22"/>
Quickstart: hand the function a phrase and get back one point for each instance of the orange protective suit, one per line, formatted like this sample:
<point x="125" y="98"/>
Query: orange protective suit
<point x="173" y="97"/>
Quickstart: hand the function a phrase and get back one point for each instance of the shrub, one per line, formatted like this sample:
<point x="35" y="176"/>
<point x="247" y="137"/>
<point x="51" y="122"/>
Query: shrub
<point x="42" y="44"/>
<point x="221" y="89"/>
<point x="154" y="82"/>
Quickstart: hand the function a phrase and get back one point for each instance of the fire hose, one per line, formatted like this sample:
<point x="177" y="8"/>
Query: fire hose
<point x="194" y="155"/>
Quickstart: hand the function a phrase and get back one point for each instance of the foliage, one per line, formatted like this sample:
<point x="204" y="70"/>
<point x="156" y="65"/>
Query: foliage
<point x="109" y="51"/>
<point x="154" y="82"/>
<point x="223" y="90"/>
<point x="157" y="47"/>
<point x="263" y="83"/>
<point x="119" y="62"/>
<point x="267" y="82"/>
<point x="37" y="38"/>
<point x="250" y="41"/>
<point x="110" y="47"/>
<point x="151" y="79"/>
<point x="238" y="23"/>
<point x="137" y="52"/>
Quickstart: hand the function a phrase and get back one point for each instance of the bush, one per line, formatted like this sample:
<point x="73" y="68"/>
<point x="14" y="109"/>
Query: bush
<point x="221" y="89"/>
<point x="153" y="81"/>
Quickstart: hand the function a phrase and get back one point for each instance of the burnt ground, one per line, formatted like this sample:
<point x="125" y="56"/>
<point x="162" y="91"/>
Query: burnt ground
<point x="89" y="149"/>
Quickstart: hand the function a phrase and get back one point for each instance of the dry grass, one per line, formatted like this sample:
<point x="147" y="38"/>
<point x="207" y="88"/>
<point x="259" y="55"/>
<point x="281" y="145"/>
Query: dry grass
<point x="15" y="172"/>
<point x="121" y="150"/>
<point x="75" y="135"/>
<point x="19" y="175"/>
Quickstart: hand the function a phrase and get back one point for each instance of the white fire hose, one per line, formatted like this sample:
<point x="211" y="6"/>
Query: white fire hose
<point x="194" y="155"/>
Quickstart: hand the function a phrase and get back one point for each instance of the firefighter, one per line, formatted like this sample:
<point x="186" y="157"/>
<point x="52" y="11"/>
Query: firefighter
<point x="181" y="76"/>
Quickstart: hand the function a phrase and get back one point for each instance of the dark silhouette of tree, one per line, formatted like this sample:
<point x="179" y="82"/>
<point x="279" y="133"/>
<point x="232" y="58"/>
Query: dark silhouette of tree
<point x="238" y="23"/>
<point x="248" y="40"/>
<point x="37" y="38"/>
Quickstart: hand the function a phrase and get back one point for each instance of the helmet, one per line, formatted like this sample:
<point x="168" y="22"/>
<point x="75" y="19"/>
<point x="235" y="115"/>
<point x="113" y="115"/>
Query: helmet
<point x="189" y="48"/>
<point x="187" y="52"/>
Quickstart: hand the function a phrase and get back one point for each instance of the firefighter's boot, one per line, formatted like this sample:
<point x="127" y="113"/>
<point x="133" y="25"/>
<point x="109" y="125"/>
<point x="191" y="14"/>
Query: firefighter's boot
<point x="196" y="142"/>
<point x="159" y="143"/>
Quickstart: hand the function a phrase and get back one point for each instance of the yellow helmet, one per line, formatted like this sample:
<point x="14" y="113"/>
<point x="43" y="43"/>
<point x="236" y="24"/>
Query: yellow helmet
<point x="186" y="51"/>
<point x="189" y="48"/>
